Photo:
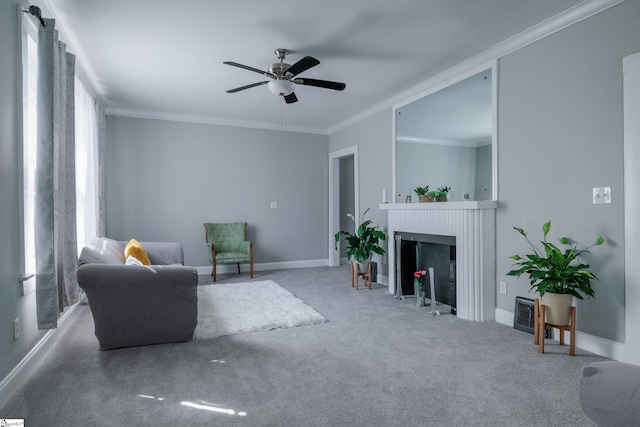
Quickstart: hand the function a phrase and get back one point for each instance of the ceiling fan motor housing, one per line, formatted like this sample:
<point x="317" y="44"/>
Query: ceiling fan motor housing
<point x="279" y="69"/>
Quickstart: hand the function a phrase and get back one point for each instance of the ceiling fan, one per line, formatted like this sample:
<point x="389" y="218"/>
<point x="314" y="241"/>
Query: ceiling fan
<point x="283" y="77"/>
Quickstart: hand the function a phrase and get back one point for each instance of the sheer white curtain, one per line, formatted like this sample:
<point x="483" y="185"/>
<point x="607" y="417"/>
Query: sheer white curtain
<point x="55" y="195"/>
<point x="87" y="169"/>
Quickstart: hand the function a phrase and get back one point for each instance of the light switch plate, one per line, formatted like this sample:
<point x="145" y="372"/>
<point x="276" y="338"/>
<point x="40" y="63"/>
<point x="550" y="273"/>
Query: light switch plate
<point x="274" y="205"/>
<point x="503" y="288"/>
<point x="601" y="195"/>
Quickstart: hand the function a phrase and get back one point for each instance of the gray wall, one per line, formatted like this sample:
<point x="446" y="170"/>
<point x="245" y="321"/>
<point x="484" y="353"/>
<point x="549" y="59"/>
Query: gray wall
<point x="373" y="137"/>
<point x="560" y="135"/>
<point x="165" y="179"/>
<point x="11" y="304"/>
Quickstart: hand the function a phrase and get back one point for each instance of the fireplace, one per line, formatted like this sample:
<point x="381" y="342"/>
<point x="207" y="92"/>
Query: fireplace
<point x="416" y="251"/>
<point x="472" y="226"/>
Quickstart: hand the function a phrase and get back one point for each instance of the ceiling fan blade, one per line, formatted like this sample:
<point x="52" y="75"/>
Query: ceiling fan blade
<point x="238" y="89"/>
<point x="321" y="83"/>
<point x="246" y="67"/>
<point x="291" y="98"/>
<point x="303" y="65"/>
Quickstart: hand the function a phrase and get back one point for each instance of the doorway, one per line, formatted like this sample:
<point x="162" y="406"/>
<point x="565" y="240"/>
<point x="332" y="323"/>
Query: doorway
<point x="347" y="161"/>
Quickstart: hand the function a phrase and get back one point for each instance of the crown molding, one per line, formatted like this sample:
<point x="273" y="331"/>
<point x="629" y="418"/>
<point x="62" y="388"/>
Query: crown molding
<point x="552" y="25"/>
<point x="188" y="118"/>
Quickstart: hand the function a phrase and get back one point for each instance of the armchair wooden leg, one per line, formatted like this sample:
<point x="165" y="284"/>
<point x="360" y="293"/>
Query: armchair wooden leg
<point x="251" y="267"/>
<point x="213" y="273"/>
<point x="238" y="268"/>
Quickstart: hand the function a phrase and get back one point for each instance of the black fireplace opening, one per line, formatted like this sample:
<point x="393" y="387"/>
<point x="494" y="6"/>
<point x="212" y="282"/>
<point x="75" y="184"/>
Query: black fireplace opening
<point x="415" y="251"/>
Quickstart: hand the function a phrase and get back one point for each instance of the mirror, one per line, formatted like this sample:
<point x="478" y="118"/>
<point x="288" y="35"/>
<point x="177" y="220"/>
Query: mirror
<point x="446" y="139"/>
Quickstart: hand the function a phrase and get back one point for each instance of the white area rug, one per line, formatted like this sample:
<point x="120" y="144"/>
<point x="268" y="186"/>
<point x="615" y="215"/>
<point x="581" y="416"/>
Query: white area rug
<point x="239" y="308"/>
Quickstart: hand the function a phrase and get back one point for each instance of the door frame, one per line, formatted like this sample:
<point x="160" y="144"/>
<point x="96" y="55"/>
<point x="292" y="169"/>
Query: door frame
<point x="631" y="79"/>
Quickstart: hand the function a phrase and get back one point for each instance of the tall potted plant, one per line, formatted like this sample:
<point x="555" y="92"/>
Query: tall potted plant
<point x="362" y="244"/>
<point x="556" y="275"/>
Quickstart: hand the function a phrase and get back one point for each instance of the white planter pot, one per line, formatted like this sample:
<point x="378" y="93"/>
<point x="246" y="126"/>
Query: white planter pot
<point x="557" y="308"/>
<point x="362" y="266"/>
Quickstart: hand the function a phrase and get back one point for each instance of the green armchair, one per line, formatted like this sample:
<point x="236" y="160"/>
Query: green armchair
<point x="228" y="244"/>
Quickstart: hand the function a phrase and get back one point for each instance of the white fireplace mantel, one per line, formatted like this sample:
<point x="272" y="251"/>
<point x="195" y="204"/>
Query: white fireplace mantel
<point x="473" y="224"/>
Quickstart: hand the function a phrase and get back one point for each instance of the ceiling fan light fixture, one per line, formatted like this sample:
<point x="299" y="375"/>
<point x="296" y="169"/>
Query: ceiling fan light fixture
<point x="281" y="87"/>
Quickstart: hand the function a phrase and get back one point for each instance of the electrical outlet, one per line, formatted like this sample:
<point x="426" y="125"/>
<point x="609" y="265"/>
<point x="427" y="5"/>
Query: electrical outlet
<point x="503" y="288"/>
<point x="601" y="195"/>
<point x="274" y="205"/>
<point x="16" y="328"/>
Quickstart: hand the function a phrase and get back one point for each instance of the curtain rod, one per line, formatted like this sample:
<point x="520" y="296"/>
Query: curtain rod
<point x="35" y="11"/>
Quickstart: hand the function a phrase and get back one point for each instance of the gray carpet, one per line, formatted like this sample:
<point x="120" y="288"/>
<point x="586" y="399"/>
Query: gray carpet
<point x="377" y="362"/>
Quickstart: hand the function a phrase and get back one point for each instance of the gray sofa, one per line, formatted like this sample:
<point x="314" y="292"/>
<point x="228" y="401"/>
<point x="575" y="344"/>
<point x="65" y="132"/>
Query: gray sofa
<point x="139" y="305"/>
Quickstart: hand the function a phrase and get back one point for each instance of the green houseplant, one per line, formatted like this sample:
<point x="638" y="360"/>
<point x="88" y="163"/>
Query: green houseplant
<point x="442" y="194"/>
<point x="424" y="194"/>
<point x="553" y="271"/>
<point x="362" y="244"/>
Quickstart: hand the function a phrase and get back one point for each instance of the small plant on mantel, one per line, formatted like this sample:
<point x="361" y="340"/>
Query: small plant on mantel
<point x="421" y="191"/>
<point x="442" y="193"/>
<point x="362" y="245"/>
<point x="424" y="195"/>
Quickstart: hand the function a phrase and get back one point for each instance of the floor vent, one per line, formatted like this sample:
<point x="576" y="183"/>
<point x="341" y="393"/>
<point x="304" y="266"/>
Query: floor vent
<point x="524" y="315"/>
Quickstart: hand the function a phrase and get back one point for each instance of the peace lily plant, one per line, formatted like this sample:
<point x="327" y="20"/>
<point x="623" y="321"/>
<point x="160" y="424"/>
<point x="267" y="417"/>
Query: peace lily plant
<point x="554" y="271"/>
<point x="365" y="241"/>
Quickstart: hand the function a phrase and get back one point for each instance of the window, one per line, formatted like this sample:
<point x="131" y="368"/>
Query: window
<point x="86" y="164"/>
<point x="29" y="146"/>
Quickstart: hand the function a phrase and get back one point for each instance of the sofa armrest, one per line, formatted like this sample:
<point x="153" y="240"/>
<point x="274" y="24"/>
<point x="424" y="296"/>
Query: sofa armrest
<point x="140" y="305"/>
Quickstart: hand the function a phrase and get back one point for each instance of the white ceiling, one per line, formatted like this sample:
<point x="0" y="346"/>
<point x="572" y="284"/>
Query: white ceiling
<point x="163" y="58"/>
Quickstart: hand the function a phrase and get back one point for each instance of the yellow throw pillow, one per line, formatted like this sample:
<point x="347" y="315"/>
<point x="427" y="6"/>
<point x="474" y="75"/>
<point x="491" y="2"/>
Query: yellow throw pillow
<point x="135" y="249"/>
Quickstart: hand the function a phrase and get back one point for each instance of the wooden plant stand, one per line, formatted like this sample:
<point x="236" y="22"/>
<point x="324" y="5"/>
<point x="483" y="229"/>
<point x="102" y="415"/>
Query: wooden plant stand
<point x="540" y="326"/>
<point x="355" y="275"/>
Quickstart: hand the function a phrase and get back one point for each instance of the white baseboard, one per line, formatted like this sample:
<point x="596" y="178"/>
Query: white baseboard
<point x="264" y="266"/>
<point x="505" y="317"/>
<point x="32" y="361"/>
<point x="601" y="346"/>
